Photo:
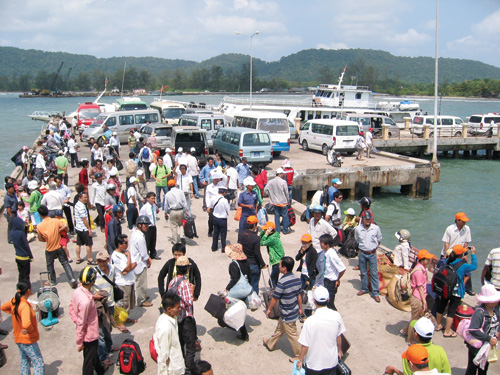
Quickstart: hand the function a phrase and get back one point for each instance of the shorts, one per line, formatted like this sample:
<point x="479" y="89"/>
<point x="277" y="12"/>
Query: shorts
<point x="452" y="308"/>
<point x="64" y="241"/>
<point x="83" y="238"/>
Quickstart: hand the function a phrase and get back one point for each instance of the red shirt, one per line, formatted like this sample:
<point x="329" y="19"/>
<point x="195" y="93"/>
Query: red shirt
<point x="83" y="177"/>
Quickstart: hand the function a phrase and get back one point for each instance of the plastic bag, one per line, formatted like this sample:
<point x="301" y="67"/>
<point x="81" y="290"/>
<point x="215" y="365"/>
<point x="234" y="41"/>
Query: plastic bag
<point x="297" y="371"/>
<point x="235" y="315"/>
<point x="121" y="315"/>
<point x="237" y="214"/>
<point x="253" y="301"/>
<point x="92" y="224"/>
<point x="310" y="301"/>
<point x="493" y="354"/>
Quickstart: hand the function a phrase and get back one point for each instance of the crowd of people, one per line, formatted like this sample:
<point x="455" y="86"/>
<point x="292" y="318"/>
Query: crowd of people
<point x="114" y="280"/>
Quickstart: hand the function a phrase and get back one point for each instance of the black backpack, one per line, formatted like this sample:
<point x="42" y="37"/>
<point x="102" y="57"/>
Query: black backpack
<point x="445" y="280"/>
<point x="130" y="358"/>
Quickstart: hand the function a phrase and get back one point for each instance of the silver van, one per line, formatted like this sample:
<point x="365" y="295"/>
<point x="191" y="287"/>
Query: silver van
<point x="209" y="122"/>
<point x="368" y="120"/>
<point x="320" y="134"/>
<point x="235" y="143"/>
<point x="121" y="122"/>
<point x="189" y="137"/>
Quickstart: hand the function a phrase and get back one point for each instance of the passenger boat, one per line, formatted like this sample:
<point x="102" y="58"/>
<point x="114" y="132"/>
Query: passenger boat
<point x="44" y="116"/>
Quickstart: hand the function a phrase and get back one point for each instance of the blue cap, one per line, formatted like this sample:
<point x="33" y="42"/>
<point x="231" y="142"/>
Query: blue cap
<point x="336" y="181"/>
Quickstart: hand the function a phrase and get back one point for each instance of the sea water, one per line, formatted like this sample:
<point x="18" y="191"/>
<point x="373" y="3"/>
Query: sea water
<point x="468" y="185"/>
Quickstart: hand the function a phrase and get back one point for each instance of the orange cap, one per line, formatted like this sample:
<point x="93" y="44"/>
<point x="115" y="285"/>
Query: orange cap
<point x="459" y="249"/>
<point x="171" y="183"/>
<point x="416" y="354"/>
<point x="306" y="238"/>
<point x="269" y="224"/>
<point x="424" y="254"/>
<point x="252" y="219"/>
<point x="461" y="216"/>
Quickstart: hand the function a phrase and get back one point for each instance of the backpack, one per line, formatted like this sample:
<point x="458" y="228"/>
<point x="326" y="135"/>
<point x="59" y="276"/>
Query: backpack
<point x="445" y="280"/>
<point x="145" y="153"/>
<point x="131" y="168"/>
<point x="130" y="358"/>
<point x="403" y="286"/>
<point x="292" y="219"/>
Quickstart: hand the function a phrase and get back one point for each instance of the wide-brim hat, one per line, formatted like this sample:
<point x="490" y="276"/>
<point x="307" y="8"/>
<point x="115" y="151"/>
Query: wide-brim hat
<point x="488" y="294"/>
<point x="235" y="252"/>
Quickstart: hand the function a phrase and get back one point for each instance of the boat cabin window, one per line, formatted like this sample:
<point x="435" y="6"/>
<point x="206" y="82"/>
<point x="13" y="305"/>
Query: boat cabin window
<point x="127" y="120"/>
<point x="358" y="95"/>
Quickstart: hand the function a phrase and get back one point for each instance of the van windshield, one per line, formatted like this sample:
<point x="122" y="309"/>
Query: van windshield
<point x="256" y="139"/>
<point x="98" y="121"/>
<point x="173" y="112"/>
<point x="274" y="125"/>
<point x="347" y="130"/>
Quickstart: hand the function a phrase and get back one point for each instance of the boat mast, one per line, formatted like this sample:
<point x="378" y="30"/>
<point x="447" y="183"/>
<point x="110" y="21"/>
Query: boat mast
<point x="341" y="78"/>
<point x="103" y="91"/>
<point x="123" y="78"/>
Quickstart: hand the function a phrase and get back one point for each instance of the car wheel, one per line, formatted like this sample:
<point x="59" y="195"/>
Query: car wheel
<point x="458" y="134"/>
<point x="305" y="146"/>
<point x="100" y="141"/>
<point x="324" y="149"/>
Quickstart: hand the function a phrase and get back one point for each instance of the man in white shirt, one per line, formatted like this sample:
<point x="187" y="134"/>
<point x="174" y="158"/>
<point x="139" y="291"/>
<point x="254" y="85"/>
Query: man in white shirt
<point x="166" y="337"/>
<point x="369" y="142"/>
<point x="40" y="165"/>
<point x="333" y="213"/>
<point x="180" y="154"/>
<point x="219" y="208"/>
<point x="98" y="198"/>
<point x="65" y="193"/>
<point x="150" y="209"/>
<point x="115" y="143"/>
<point x="83" y="230"/>
<point x="193" y="169"/>
<point x="139" y="255"/>
<point x="175" y="208"/>
<point x="73" y="151"/>
<point x="167" y="158"/>
<point x="184" y="182"/>
<point x="52" y="199"/>
<point x="74" y="125"/>
<point x="232" y="183"/>
<point x="211" y="193"/>
<point x="124" y="276"/>
<point x="321" y="337"/>
<point x="132" y="198"/>
<point x="333" y="269"/>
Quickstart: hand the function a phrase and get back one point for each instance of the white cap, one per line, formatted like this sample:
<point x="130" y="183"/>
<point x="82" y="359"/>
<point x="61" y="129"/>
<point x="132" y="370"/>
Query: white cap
<point x="140" y="172"/>
<point x="113" y="171"/>
<point x="132" y="180"/>
<point x="180" y="149"/>
<point x="321" y="294"/>
<point x="60" y="152"/>
<point x="115" y="133"/>
<point x="32" y="185"/>
<point x="280" y="171"/>
<point x="193" y="149"/>
<point x="350" y="211"/>
<point x="217" y="175"/>
<point x="168" y="149"/>
<point x="424" y="327"/>
<point x="110" y="186"/>
<point x="249" y="181"/>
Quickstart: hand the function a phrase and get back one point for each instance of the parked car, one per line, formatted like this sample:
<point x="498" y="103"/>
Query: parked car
<point x="447" y="126"/>
<point x="163" y="135"/>
<point x="320" y="134"/>
<point x="367" y="121"/>
<point x="481" y="124"/>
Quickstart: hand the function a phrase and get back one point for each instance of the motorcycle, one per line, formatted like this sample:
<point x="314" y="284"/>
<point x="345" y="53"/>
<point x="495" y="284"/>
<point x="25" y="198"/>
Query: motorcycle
<point x="333" y="157"/>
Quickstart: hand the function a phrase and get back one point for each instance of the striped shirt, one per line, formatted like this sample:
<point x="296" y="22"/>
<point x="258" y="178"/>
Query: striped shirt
<point x="102" y="284"/>
<point x="80" y="212"/>
<point x="493" y="259"/>
<point x="287" y="291"/>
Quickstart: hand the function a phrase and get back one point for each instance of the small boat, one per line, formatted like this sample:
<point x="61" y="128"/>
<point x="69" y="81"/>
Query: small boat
<point x="44" y="115"/>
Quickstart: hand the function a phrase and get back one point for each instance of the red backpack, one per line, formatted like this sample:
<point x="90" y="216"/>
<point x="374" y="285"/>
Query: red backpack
<point x="130" y="358"/>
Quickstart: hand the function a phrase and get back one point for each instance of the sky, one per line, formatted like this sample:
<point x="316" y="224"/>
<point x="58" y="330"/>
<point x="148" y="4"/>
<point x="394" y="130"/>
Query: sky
<point x="200" y="29"/>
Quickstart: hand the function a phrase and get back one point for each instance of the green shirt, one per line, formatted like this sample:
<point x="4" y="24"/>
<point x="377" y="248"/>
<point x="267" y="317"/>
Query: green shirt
<point x="274" y="246"/>
<point x="61" y="162"/>
<point x="437" y="359"/>
<point x="132" y="141"/>
<point x="159" y="173"/>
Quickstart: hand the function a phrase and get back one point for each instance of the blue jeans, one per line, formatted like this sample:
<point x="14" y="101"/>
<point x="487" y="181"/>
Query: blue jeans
<point x="105" y="343"/>
<point x="159" y="189"/>
<point x="131" y="215"/>
<point x="254" y="277"/>
<point x="278" y="213"/>
<point x="195" y="186"/>
<point x="275" y="274"/>
<point x="290" y="189"/>
<point x="370" y="261"/>
<point x="303" y="279"/>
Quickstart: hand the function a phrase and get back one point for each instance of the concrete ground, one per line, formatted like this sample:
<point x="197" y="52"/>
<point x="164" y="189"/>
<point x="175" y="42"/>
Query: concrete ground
<point x="372" y="329"/>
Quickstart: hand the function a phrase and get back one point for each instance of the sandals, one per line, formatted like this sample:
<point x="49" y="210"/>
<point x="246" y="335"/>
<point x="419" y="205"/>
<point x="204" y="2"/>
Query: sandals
<point x="91" y="263"/>
<point x="123" y="329"/>
<point x="453" y="334"/>
<point x="130" y="321"/>
<point x="403" y="332"/>
<point x="439" y="328"/>
<point x="78" y="261"/>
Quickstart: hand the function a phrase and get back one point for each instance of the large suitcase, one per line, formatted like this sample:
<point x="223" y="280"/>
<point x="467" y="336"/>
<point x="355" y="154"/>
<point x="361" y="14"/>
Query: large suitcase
<point x="216" y="306"/>
<point x="47" y="288"/>
<point x="267" y="296"/>
<point x="190" y="228"/>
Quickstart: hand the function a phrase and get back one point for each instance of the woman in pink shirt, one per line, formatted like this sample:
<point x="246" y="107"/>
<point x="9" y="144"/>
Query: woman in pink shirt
<point x="418" y="283"/>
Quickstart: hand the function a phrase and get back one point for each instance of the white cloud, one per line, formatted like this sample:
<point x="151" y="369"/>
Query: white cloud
<point x="410" y="38"/>
<point x="332" y="45"/>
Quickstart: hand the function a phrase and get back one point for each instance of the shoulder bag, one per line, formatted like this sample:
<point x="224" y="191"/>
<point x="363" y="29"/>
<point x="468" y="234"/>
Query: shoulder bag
<point x="242" y="289"/>
<point x="117" y="292"/>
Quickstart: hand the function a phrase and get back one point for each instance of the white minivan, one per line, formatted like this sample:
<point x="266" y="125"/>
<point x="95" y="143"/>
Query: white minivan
<point x="320" y="134"/>
<point x="207" y="121"/>
<point x="447" y="126"/>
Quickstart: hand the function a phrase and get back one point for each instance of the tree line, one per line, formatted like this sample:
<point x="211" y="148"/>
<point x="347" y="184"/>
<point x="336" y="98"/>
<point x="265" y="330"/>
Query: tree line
<point x="216" y="79"/>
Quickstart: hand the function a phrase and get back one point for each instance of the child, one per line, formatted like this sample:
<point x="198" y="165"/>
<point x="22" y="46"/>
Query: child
<point x="349" y="219"/>
<point x="24" y="215"/>
<point x="23" y="196"/>
<point x="107" y="218"/>
<point x="64" y="235"/>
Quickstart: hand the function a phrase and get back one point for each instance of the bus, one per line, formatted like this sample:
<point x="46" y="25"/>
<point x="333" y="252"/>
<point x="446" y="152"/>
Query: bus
<point x="130" y="104"/>
<point x="275" y="123"/>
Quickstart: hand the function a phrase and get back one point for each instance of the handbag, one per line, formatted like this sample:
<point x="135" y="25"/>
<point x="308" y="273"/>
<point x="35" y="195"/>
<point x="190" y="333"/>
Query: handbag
<point x="237" y="214"/>
<point x="216" y="306"/>
<point x="117" y="292"/>
<point x="92" y="224"/>
<point x="152" y="350"/>
<point x="342" y="368"/>
<point x="242" y="289"/>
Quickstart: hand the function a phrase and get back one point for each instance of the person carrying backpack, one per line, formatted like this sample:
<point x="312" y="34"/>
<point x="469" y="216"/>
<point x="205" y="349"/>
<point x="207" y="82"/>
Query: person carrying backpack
<point x="456" y="257"/>
<point x="146" y="157"/>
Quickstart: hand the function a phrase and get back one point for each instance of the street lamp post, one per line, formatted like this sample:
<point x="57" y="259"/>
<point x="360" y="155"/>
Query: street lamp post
<point x="251" y="45"/>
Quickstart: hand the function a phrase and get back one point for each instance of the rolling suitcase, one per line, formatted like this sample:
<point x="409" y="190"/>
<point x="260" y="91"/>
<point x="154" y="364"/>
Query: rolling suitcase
<point x="190" y="228"/>
<point x="267" y="296"/>
<point x="44" y="288"/>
